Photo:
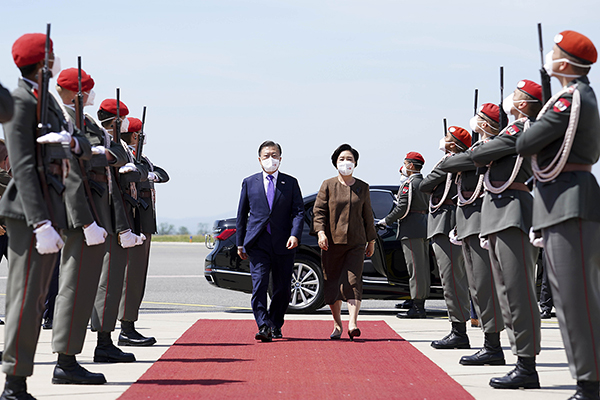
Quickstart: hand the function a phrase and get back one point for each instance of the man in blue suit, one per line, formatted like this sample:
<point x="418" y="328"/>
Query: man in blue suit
<point x="269" y="224"/>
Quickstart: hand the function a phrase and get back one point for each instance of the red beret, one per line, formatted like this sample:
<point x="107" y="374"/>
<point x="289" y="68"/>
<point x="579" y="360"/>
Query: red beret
<point x="30" y="49"/>
<point x="69" y="78"/>
<point x="492" y="111"/>
<point x="461" y="135"/>
<point x="110" y="106"/>
<point x="578" y="45"/>
<point x="135" y="124"/>
<point x="531" y="88"/>
<point x="414" y="156"/>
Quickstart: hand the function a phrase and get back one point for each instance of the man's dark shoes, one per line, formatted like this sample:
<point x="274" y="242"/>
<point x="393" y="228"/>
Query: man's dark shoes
<point x="523" y="376"/>
<point x="490" y="354"/>
<point x="47" y="324"/>
<point x="417" y="310"/>
<point x="277" y="333"/>
<point x="130" y="337"/>
<point x="586" y="390"/>
<point x="405" y="305"/>
<point x="546" y="314"/>
<point x="69" y="371"/>
<point x="264" y="334"/>
<point x="107" y="352"/>
<point x="15" y="388"/>
<point x="456" y="339"/>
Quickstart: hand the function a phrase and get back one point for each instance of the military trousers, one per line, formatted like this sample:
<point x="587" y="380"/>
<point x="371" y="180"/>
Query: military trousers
<point x="416" y="254"/>
<point x="513" y="260"/>
<point x="110" y="287"/>
<point x="573" y="260"/>
<point x="26" y="289"/>
<point x="481" y="285"/>
<point x="79" y="275"/>
<point x="135" y="281"/>
<point x="451" y="265"/>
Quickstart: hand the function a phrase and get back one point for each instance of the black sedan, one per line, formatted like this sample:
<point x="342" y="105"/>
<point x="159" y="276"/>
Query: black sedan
<point x="384" y="275"/>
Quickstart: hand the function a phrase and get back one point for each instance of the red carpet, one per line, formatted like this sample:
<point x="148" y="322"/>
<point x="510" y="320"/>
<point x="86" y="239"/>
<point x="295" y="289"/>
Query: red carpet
<point x="219" y="359"/>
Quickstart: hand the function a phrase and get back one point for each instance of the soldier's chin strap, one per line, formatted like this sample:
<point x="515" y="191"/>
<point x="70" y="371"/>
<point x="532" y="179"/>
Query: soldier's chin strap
<point x="434" y="207"/>
<point x="556" y="166"/>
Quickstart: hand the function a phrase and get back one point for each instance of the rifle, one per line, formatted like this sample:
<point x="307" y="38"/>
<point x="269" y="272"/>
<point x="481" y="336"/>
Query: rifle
<point x="445" y="127"/>
<point x="503" y="117"/>
<point x="141" y="139"/>
<point x="475" y="134"/>
<point x="546" y="87"/>
<point x="117" y="123"/>
<point x="80" y="122"/>
<point x="43" y="126"/>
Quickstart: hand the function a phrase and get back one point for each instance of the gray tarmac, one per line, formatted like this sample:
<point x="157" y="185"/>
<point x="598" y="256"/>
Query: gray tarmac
<point x="177" y="295"/>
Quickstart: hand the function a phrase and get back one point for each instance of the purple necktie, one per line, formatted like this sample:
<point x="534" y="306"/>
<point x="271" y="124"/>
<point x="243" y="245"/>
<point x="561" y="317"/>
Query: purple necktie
<point x="270" y="196"/>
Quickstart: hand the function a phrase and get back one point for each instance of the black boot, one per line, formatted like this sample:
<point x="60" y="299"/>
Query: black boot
<point x="523" y="376"/>
<point x="106" y="351"/>
<point x="405" y="305"/>
<point x="15" y="388"/>
<point x="68" y="370"/>
<point x="130" y="337"/>
<point x="586" y="390"/>
<point x="417" y="310"/>
<point x="456" y="339"/>
<point x="491" y="354"/>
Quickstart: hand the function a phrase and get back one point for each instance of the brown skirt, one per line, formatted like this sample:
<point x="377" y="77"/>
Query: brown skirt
<point x="342" y="270"/>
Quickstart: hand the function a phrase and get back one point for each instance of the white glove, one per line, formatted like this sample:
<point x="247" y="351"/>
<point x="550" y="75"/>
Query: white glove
<point x="129" y="167"/>
<point x="535" y="238"/>
<point x="453" y="238"/>
<point x="153" y="177"/>
<point x="47" y="240"/>
<point x="94" y="234"/>
<point x="99" y="150"/>
<point x="127" y="239"/>
<point x="484" y="243"/>
<point x="55" y="137"/>
<point x="140" y="239"/>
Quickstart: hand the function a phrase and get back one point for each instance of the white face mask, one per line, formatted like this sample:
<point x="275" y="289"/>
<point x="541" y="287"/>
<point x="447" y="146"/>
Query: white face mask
<point x="442" y="145"/>
<point x="550" y="61"/>
<point x="509" y="103"/>
<point x="56" y="68"/>
<point x="345" y="167"/>
<point x="270" y="164"/>
<point x="125" y="125"/>
<point x="473" y="124"/>
<point x="90" y="99"/>
<point x="403" y="171"/>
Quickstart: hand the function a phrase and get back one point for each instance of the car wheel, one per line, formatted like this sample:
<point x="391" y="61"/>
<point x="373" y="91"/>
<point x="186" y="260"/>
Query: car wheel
<point x="307" y="286"/>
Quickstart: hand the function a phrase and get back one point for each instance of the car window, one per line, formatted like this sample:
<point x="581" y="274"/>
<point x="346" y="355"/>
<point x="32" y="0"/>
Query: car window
<point x="382" y="202"/>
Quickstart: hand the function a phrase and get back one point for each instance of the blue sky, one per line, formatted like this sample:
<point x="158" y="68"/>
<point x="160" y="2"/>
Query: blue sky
<point x="219" y="77"/>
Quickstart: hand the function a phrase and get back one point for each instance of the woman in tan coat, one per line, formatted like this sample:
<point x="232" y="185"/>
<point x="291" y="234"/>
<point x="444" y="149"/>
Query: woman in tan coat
<point x="343" y="219"/>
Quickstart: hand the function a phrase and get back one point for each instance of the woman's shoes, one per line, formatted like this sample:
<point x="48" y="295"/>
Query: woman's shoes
<point x="354" y="333"/>
<point x="336" y="335"/>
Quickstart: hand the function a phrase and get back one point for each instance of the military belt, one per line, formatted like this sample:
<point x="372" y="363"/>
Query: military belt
<point x="418" y="212"/>
<point x="571" y="167"/>
<point x="98" y="177"/>
<point x="513" y="186"/>
<point x="448" y="201"/>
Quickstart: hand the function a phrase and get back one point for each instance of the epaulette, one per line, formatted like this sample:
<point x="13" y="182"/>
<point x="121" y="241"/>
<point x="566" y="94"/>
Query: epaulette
<point x="512" y="129"/>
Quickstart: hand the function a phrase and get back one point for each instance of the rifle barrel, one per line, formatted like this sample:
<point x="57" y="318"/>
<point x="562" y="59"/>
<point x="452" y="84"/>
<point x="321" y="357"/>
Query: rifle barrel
<point x="445" y="127"/>
<point x="541" y="43"/>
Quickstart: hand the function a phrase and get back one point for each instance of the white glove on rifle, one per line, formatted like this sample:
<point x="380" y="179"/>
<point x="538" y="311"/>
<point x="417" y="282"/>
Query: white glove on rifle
<point x="47" y="239"/>
<point x="453" y="237"/>
<point x="94" y="234"/>
<point x="129" y="167"/>
<point x="484" y="243"/>
<point x="99" y="150"/>
<point x="127" y="239"/>
<point x="55" y="137"/>
<point x="153" y="177"/>
<point x="139" y="239"/>
<point x="536" y="239"/>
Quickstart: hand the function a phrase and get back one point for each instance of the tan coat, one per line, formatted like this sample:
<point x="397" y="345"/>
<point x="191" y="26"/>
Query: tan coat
<point x="344" y="212"/>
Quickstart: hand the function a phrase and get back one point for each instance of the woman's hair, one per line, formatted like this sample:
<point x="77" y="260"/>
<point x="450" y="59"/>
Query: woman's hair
<point x="339" y="151"/>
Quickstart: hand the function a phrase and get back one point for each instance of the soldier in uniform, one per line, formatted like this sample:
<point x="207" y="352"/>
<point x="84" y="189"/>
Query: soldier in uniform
<point x="139" y="256"/>
<point x="468" y="225"/>
<point x="108" y="295"/>
<point x="85" y="245"/>
<point x="563" y="144"/>
<point x="6" y="105"/>
<point x="34" y="212"/>
<point x="442" y="219"/>
<point x="411" y="213"/>
<point x="505" y="222"/>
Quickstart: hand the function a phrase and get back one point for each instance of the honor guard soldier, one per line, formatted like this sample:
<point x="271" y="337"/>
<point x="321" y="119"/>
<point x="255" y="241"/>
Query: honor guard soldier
<point x="411" y="213"/>
<point x="441" y="187"/>
<point x="33" y="204"/>
<point x="6" y="105"/>
<point x="139" y="256"/>
<point x="563" y="144"/>
<point x="108" y="295"/>
<point x="89" y="225"/>
<point x="468" y="226"/>
<point x="505" y="222"/>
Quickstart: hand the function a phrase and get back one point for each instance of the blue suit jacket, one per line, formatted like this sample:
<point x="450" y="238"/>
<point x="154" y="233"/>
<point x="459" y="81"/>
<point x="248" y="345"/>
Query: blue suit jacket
<point x="286" y="216"/>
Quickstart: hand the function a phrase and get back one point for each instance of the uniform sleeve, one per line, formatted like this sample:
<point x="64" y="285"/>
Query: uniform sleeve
<point x="84" y="146"/>
<point x="501" y="146"/>
<point x="321" y="208"/>
<point x="162" y="174"/>
<point x="550" y="127"/>
<point x="458" y="163"/>
<point x="242" y="215"/>
<point x="118" y="153"/>
<point x="433" y="180"/>
<point x="367" y="214"/>
<point x="401" y="205"/>
<point x="143" y="170"/>
<point x="6" y="105"/>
